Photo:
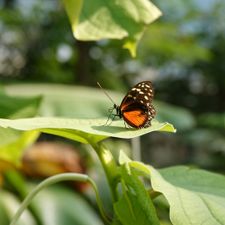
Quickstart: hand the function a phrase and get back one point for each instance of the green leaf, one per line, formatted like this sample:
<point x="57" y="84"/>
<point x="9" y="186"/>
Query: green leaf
<point x="135" y="206"/>
<point x="213" y="120"/>
<point x="95" y="20"/>
<point x="195" y="196"/>
<point x="66" y="100"/>
<point x="130" y="212"/>
<point x="82" y="129"/>
<point x="14" y="143"/>
<point x="9" y="203"/>
<point x="67" y="207"/>
<point x="85" y="102"/>
<point x="18" y="107"/>
<point x="180" y="117"/>
<point x="56" y="206"/>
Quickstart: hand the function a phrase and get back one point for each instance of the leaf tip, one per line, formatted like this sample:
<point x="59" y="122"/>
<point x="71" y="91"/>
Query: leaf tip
<point x="131" y="46"/>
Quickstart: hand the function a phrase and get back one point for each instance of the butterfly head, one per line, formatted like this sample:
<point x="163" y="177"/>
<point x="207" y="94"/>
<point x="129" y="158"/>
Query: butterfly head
<point x="118" y="110"/>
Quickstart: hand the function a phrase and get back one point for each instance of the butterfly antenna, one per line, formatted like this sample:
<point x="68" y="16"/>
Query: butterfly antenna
<point x="106" y="93"/>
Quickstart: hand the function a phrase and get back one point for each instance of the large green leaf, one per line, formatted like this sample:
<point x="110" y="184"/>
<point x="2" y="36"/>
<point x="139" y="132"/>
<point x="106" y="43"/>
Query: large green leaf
<point x="95" y="20"/>
<point x="195" y="196"/>
<point x="56" y="206"/>
<point x="66" y="100"/>
<point x="13" y="143"/>
<point x="8" y="205"/>
<point x="66" y="207"/>
<point x="135" y="206"/>
<point x="18" y="107"/>
<point x="82" y="129"/>
<point x="86" y="102"/>
<point x="180" y="117"/>
<point x="213" y="120"/>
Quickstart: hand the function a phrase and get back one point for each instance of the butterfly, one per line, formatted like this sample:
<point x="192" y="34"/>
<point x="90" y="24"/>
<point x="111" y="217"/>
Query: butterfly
<point x="136" y="108"/>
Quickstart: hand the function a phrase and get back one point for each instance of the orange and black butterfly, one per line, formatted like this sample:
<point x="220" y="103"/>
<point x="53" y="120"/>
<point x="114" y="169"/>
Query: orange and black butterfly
<point x="136" y="108"/>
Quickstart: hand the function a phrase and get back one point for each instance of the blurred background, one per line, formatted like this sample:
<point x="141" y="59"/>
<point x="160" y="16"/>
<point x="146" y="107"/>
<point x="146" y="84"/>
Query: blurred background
<point x="44" y="71"/>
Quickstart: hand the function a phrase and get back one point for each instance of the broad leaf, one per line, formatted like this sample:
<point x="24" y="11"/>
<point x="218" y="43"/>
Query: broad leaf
<point x="56" y="206"/>
<point x="74" y="101"/>
<point x="95" y="20"/>
<point x="213" y="120"/>
<point x="135" y="206"/>
<point x="18" y="107"/>
<point x="82" y="129"/>
<point x="195" y="196"/>
<point x="14" y="143"/>
<point x="8" y="205"/>
<point x="66" y="206"/>
<point x="69" y="101"/>
<point x="180" y="117"/>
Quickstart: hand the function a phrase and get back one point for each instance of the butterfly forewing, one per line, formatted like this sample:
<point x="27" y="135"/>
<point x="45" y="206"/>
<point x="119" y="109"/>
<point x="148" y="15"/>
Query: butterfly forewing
<point x="136" y="108"/>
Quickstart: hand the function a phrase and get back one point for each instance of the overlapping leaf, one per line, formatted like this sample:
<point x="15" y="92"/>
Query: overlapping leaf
<point x="195" y="196"/>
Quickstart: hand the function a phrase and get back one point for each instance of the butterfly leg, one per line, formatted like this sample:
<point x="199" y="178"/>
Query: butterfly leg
<point x="109" y="117"/>
<point x="127" y="126"/>
<point x="106" y="123"/>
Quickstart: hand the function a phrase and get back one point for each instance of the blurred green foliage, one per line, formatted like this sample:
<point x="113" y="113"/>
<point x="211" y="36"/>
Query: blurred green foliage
<point x="182" y="53"/>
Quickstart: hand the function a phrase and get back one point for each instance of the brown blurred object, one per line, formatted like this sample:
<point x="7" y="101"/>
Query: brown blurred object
<point x="45" y="159"/>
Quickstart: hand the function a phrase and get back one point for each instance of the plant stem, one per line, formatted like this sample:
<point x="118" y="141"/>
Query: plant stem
<point x="18" y="185"/>
<point x="53" y="180"/>
<point x="109" y="166"/>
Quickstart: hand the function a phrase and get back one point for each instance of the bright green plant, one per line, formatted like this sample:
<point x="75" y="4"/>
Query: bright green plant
<point x="193" y="195"/>
<point x="120" y="20"/>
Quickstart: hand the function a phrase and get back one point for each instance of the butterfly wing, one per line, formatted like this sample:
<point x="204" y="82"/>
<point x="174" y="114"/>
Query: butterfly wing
<point x="136" y="108"/>
<point x="135" y="115"/>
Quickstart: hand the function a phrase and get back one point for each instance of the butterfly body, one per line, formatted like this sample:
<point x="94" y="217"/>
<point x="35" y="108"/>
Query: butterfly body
<point x="136" y="108"/>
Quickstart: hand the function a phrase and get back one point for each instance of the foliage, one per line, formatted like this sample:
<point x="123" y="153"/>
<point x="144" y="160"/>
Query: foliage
<point x="114" y="20"/>
<point x="192" y="78"/>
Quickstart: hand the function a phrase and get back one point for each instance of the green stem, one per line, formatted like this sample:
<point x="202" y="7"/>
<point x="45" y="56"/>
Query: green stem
<point x="109" y="165"/>
<point x="56" y="179"/>
<point x="17" y="184"/>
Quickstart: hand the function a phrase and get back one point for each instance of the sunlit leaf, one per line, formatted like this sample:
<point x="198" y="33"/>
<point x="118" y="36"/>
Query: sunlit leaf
<point x="83" y="129"/>
<point x="85" y="102"/>
<point x="18" y="107"/>
<point x="195" y="196"/>
<point x="95" y="20"/>
<point x="135" y="205"/>
<point x="14" y="143"/>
